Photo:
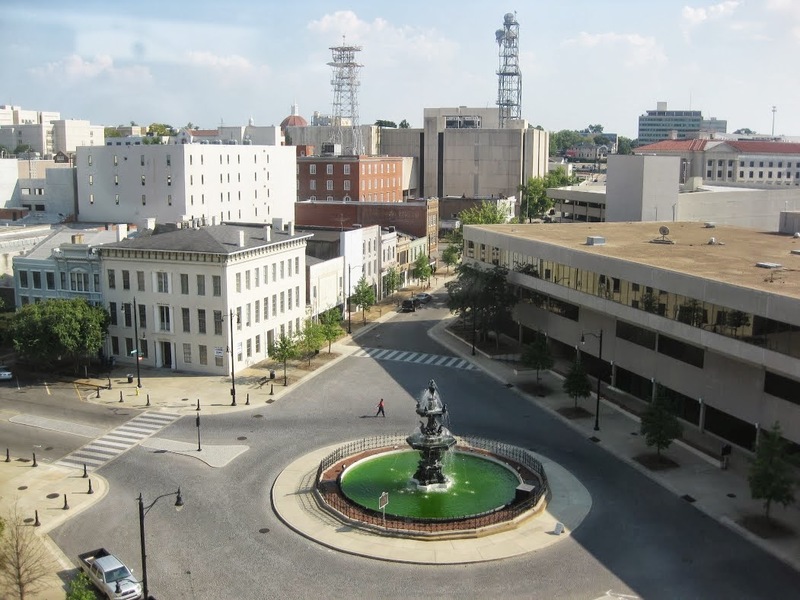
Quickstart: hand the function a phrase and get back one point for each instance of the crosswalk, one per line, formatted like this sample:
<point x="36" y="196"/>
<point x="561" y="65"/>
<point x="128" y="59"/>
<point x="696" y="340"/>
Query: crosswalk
<point x="104" y="449"/>
<point x="434" y="360"/>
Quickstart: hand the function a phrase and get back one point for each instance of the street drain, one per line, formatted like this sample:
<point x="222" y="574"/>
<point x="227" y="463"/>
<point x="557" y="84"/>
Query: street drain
<point x="258" y="416"/>
<point x="264" y="530"/>
<point x="242" y="438"/>
<point x="688" y="498"/>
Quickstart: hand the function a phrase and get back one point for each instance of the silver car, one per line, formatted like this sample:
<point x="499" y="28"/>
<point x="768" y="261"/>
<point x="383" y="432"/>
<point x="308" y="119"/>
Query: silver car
<point x="5" y="373"/>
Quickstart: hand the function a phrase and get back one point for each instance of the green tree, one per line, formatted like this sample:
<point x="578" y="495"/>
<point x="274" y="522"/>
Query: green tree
<point x="601" y="140"/>
<point x="624" y="145"/>
<point x="422" y="268"/>
<point x="533" y="194"/>
<point x="451" y="256"/>
<point x="46" y="331"/>
<point x="660" y="425"/>
<point x="24" y="561"/>
<point x="160" y="129"/>
<point x="497" y="299"/>
<point x="650" y="302"/>
<point x="595" y="128"/>
<point x="391" y="282"/>
<point x="363" y="296"/>
<point x="384" y="123"/>
<point x="23" y="148"/>
<point x="485" y="213"/>
<point x="560" y="141"/>
<point x="536" y="355"/>
<point x="770" y="476"/>
<point x="80" y="588"/>
<point x="404" y="124"/>
<point x="331" y="326"/>
<point x="577" y="384"/>
<point x="111" y="132"/>
<point x="483" y="296"/>
<point x="284" y="350"/>
<point x="744" y="131"/>
<point x="310" y="339"/>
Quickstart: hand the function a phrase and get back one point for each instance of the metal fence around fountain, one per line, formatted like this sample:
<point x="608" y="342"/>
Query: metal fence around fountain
<point x="501" y="515"/>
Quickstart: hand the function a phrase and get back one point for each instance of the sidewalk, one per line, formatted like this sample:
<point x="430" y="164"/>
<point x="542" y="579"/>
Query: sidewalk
<point x="722" y="495"/>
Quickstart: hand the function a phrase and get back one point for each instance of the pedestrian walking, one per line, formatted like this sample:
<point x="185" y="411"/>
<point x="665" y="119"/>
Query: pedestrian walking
<point x="380" y="409"/>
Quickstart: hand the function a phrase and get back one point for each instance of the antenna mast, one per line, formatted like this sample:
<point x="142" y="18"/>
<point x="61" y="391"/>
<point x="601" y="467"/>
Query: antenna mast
<point x="509" y="76"/>
<point x="345" y="82"/>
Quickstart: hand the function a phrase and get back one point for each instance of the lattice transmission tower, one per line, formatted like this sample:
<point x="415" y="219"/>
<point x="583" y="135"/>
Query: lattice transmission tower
<point x="345" y="82"/>
<point x="509" y="76"/>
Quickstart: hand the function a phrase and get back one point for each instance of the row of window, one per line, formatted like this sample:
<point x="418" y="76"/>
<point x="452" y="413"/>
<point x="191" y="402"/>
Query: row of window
<point x="366" y="169"/>
<point x="752" y="163"/>
<point x="191" y="159"/>
<point x="75" y="281"/>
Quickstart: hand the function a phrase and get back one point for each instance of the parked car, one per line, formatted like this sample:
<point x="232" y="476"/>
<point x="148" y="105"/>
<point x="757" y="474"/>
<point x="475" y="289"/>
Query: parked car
<point x="114" y="580"/>
<point x="408" y="306"/>
<point x="5" y="373"/>
<point x="423" y="297"/>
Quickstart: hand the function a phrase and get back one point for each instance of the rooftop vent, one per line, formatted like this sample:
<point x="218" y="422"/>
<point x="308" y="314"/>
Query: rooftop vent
<point x="709" y="224"/>
<point x="768" y="265"/>
<point x="595" y="240"/>
<point x="797" y="252"/>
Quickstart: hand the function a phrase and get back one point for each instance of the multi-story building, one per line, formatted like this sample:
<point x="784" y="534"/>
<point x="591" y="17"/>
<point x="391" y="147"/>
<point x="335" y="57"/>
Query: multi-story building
<point x="186" y="182"/>
<point x="350" y="178"/>
<point x="661" y="124"/>
<point x="51" y="137"/>
<point x="712" y="316"/>
<point x="201" y="297"/>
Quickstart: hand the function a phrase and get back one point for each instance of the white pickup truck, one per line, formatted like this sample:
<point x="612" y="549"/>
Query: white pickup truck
<point x="114" y="580"/>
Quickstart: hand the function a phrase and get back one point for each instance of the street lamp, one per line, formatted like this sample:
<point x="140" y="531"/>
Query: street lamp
<point x="599" y="336"/>
<point x="143" y="510"/>
<point x="136" y="335"/>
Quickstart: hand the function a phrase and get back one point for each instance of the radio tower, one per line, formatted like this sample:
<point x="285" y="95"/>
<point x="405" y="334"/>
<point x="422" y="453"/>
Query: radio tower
<point x="509" y="77"/>
<point x="345" y="84"/>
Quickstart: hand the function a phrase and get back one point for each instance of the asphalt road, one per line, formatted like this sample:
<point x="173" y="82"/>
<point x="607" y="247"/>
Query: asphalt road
<point x="638" y="539"/>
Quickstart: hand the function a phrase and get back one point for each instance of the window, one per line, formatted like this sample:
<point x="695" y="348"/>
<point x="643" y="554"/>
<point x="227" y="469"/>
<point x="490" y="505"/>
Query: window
<point x="217" y="322"/>
<point x="274" y="304"/>
<point x="164" y="319"/>
<point x="112" y="311"/>
<point x="142" y="316"/>
<point x="201" y="285"/>
<point x="162" y="282"/>
<point x="274" y="268"/>
<point x="51" y="280"/>
<point x="347" y="169"/>
<point x="329" y="184"/>
<point x="201" y="320"/>
<point x="258" y="344"/>
<point x="127" y="311"/>
<point x="23" y="279"/>
<point x="681" y="351"/>
<point x="347" y="184"/>
<point x="247" y="279"/>
<point x="140" y="280"/>
<point x="282" y="270"/>
<point x="115" y="345"/>
<point x="217" y="285"/>
<point x="129" y="350"/>
<point x="312" y="169"/>
<point x="636" y="335"/>
<point x="289" y="294"/>
<point x="144" y="199"/>
<point x="296" y="265"/>
<point x="283" y="303"/>
<point x="169" y="160"/>
<point x="249" y="347"/>
<point x="91" y="179"/>
<point x="112" y="279"/>
<point x="266" y="308"/>
<point x="239" y="318"/>
<point x="126" y="280"/>
<point x="312" y="185"/>
<point x="257" y="310"/>
<point x="238" y="282"/>
<point x="141" y="161"/>
<point x="256" y="275"/>
<point x="297" y="296"/>
<point x="329" y="169"/>
<point x="782" y="387"/>
<point x="187" y="353"/>
<point x="79" y="281"/>
<point x="143" y="180"/>
<point x="116" y="199"/>
<point x="186" y="318"/>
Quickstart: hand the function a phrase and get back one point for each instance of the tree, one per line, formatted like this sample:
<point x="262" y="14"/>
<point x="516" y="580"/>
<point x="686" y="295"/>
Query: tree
<point x="595" y="128"/>
<point x="422" y="268"/>
<point x="383" y="123"/>
<point x="44" y="332"/>
<point x="536" y="355"/>
<point x="284" y="350"/>
<point x="404" y="124"/>
<point x="561" y="140"/>
<point x="770" y="474"/>
<point x="744" y="131"/>
<point x="363" y="296"/>
<point x="485" y="213"/>
<point x="331" y="326"/>
<point x="160" y="129"/>
<point x="392" y="280"/>
<point x="736" y="319"/>
<point x="111" y="132"/>
<point x="660" y="424"/>
<point x="601" y="140"/>
<point x="24" y="560"/>
<point x="81" y="588"/>
<point x="577" y="384"/>
<point x="497" y="299"/>
<point x="533" y="194"/>
<point x="451" y="256"/>
<point x="624" y="145"/>
<point x="310" y="339"/>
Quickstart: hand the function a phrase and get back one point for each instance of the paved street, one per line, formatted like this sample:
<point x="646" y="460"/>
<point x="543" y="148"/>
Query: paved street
<point x="639" y="539"/>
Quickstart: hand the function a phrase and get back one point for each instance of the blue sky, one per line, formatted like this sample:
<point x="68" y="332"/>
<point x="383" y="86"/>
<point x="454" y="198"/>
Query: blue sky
<point x="225" y="61"/>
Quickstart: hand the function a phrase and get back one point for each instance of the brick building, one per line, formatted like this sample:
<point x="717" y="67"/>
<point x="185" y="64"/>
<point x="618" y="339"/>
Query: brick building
<point x="350" y="178"/>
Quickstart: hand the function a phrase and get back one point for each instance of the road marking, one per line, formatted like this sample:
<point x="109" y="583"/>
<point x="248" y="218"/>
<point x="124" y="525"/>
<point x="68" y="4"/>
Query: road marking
<point x="438" y="360"/>
<point x="117" y="441"/>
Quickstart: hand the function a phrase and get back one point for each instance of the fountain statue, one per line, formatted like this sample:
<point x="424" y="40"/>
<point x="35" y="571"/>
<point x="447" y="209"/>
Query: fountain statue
<point x="432" y="440"/>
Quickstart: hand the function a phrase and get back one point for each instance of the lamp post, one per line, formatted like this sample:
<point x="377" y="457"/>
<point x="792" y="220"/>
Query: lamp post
<point x="136" y="336"/>
<point x="197" y="424"/>
<point x="233" y="379"/>
<point x="599" y="337"/>
<point x="143" y="510"/>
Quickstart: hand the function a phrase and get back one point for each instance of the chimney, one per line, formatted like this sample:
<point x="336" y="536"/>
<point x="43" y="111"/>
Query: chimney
<point x="241" y="239"/>
<point x="77" y="238"/>
<point x="268" y="233"/>
<point x="291" y="228"/>
<point x="122" y="232"/>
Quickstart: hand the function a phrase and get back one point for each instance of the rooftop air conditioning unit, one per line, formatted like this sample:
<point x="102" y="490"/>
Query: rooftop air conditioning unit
<point x="595" y="240"/>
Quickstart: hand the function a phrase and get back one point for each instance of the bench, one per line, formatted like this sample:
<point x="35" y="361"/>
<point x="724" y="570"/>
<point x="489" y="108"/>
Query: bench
<point x="262" y="381"/>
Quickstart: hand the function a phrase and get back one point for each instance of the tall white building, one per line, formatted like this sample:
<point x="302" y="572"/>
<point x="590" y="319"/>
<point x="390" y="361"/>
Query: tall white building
<point x="201" y="297"/>
<point x="50" y="137"/>
<point x="186" y="182"/>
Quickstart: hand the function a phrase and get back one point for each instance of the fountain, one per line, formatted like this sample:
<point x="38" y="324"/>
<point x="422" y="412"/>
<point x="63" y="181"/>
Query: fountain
<point x="432" y="440"/>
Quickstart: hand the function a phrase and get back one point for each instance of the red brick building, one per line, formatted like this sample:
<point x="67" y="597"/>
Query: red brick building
<point x="350" y="178"/>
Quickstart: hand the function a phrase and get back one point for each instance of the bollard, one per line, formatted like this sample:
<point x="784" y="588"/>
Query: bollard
<point x="35" y="464"/>
<point x="91" y="491"/>
<point x="36" y="522"/>
<point x="66" y="506"/>
<point x="120" y="395"/>
<point x="271" y="389"/>
<point x="109" y="383"/>
<point x="148" y="400"/>
<point x="198" y="404"/>
<point x="248" y="399"/>
<point x="85" y="474"/>
<point x="137" y="391"/>
<point x="98" y="391"/>
<point x="8" y="456"/>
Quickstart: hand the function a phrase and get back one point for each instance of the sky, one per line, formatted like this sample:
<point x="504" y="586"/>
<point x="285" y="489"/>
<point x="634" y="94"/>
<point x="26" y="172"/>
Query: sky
<point x="582" y="61"/>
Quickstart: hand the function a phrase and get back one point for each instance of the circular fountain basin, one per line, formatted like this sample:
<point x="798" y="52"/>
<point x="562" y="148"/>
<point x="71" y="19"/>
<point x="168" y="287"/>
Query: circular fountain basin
<point x="476" y="485"/>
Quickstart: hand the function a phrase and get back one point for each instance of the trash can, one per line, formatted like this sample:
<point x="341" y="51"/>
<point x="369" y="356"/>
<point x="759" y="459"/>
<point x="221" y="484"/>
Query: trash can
<point x="130" y="378"/>
<point x="272" y="373"/>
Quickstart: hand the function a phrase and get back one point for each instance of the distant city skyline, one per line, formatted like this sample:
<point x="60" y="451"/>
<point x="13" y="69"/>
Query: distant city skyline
<point x="582" y="63"/>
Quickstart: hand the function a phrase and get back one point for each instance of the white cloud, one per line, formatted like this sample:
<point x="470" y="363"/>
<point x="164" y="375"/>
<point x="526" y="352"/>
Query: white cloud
<point x="638" y="49"/>
<point x="74" y="68"/>
<point x="696" y="16"/>
<point x="790" y="10"/>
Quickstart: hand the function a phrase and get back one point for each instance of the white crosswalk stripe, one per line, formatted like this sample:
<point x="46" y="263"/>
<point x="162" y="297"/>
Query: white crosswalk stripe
<point x="438" y="360"/>
<point x="97" y="453"/>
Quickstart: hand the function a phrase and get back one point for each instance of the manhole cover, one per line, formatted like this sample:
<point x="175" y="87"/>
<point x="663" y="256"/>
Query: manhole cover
<point x="688" y="498"/>
<point x="22" y="487"/>
<point x="51" y="496"/>
<point x="594" y="439"/>
<point x="258" y="416"/>
<point x="242" y="438"/>
<point x="264" y="530"/>
<point x="731" y="495"/>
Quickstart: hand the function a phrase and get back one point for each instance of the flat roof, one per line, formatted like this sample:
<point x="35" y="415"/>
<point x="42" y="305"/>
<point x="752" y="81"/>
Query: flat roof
<point x="732" y="259"/>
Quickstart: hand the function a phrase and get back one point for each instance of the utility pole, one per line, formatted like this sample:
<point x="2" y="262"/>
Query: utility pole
<point x="774" y="110"/>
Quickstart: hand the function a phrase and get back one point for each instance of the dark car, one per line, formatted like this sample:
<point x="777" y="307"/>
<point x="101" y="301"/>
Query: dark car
<point x="408" y="306"/>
